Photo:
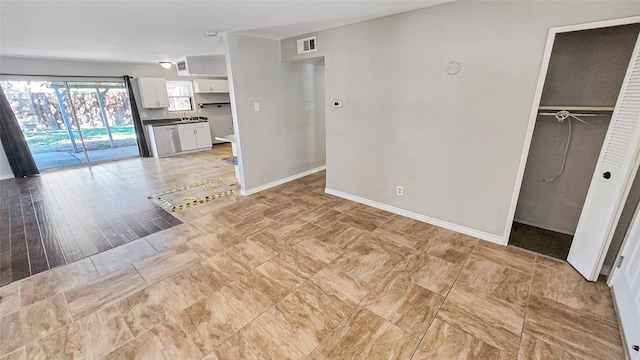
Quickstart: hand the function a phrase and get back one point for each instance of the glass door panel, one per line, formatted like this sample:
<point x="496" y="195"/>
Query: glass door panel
<point x="71" y="123"/>
<point x="41" y="110"/>
<point x="103" y="113"/>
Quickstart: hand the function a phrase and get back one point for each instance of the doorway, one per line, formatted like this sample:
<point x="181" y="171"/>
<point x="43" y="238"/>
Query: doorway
<point x="585" y="73"/>
<point x="72" y="123"/>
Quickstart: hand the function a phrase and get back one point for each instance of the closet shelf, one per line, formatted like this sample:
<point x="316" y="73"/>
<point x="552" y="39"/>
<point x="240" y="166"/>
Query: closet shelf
<point x="575" y="108"/>
<point x="600" y="113"/>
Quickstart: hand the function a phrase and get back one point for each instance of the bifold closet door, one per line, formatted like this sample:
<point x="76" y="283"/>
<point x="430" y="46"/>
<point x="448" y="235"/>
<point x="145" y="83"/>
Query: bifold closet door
<point x="608" y="188"/>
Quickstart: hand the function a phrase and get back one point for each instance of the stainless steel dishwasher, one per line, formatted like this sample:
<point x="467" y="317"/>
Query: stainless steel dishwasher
<point x="167" y="139"/>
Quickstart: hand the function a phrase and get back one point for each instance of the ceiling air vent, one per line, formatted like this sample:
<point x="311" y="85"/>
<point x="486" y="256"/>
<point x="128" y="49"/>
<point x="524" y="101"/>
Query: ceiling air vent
<point x="307" y="45"/>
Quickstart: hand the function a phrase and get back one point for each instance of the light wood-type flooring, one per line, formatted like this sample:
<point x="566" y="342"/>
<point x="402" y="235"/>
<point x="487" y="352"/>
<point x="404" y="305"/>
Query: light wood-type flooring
<point x="61" y="217"/>
<point x="293" y="273"/>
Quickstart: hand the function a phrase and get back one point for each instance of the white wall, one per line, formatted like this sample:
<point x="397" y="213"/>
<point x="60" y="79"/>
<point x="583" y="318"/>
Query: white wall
<point x="287" y="136"/>
<point x="453" y="141"/>
<point x="556" y="205"/>
<point x="5" y="169"/>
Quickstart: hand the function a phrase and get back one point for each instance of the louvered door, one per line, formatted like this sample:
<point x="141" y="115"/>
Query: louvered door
<point x="608" y="186"/>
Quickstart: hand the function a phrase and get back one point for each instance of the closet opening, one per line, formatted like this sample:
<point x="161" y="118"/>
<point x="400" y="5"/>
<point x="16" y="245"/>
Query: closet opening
<point x="585" y="74"/>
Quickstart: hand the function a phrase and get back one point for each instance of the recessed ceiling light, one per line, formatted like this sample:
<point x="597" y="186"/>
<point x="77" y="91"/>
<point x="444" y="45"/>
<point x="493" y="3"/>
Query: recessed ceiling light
<point x="165" y="64"/>
<point x="211" y="33"/>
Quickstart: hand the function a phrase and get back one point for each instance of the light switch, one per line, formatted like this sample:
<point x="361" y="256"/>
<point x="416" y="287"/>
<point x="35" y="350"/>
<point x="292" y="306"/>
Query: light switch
<point x="256" y="106"/>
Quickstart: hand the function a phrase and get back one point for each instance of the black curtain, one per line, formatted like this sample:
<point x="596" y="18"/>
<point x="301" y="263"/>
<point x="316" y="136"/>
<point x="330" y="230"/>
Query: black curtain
<point x="14" y="143"/>
<point x="143" y="149"/>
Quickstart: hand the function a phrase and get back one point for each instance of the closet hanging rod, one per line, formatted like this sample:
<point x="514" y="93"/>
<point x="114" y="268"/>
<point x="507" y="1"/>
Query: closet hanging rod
<point x="603" y="113"/>
<point x="576" y="108"/>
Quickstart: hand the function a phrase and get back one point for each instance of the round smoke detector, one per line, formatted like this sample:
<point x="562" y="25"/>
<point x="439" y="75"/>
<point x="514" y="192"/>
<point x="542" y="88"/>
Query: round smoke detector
<point x="453" y="68"/>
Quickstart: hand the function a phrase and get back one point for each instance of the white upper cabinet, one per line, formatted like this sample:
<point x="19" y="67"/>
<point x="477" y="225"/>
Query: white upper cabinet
<point x="153" y="93"/>
<point x="204" y="86"/>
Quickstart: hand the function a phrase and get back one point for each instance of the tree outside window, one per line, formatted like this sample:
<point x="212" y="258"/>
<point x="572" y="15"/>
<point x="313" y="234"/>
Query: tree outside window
<point x="180" y="95"/>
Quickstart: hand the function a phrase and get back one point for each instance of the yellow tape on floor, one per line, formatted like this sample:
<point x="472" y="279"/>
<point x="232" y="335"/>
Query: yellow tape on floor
<point x="190" y="186"/>
<point x="201" y="201"/>
<point x="193" y="200"/>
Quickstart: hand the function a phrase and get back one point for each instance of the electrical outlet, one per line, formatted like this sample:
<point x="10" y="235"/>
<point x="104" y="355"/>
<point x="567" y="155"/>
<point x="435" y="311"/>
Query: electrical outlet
<point x="399" y="191"/>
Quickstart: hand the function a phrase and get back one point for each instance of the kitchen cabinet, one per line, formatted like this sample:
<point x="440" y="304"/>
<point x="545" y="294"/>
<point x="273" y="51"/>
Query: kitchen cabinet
<point x="194" y="136"/>
<point x="206" y="86"/>
<point x="153" y="93"/>
<point x="203" y="137"/>
<point x="176" y="137"/>
<point x="187" y="139"/>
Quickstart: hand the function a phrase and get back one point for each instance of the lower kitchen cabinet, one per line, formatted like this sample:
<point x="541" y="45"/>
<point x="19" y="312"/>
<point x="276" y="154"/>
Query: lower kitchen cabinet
<point x="173" y="139"/>
<point x="188" y="140"/>
<point x="194" y="136"/>
<point x="203" y="138"/>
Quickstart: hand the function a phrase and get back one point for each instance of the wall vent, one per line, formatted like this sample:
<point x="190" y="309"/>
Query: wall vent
<point x="306" y="45"/>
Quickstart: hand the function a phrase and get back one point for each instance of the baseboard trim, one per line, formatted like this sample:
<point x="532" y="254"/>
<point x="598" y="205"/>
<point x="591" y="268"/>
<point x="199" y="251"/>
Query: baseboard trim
<point x="429" y="220"/>
<point x="257" y="189"/>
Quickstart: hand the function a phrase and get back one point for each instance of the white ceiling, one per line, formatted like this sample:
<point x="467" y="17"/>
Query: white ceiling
<point x="150" y="31"/>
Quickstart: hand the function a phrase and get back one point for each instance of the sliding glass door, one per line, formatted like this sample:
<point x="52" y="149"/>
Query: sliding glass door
<point x="43" y="119"/>
<point x="104" y="116"/>
<point x="70" y="123"/>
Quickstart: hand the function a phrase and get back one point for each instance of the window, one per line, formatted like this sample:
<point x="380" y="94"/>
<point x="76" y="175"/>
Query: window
<point x="180" y="93"/>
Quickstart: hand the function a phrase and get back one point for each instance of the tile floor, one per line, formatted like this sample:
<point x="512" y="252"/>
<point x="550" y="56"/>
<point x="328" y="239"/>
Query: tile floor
<point x="293" y="273"/>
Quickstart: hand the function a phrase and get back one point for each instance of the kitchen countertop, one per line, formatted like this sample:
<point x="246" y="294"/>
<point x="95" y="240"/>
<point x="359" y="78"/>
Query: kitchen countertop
<point x="229" y="138"/>
<point x="165" y="122"/>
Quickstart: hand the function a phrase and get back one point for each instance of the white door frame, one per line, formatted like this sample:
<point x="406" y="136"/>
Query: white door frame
<point x="627" y="190"/>
<point x="536" y="102"/>
<point x="633" y="230"/>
